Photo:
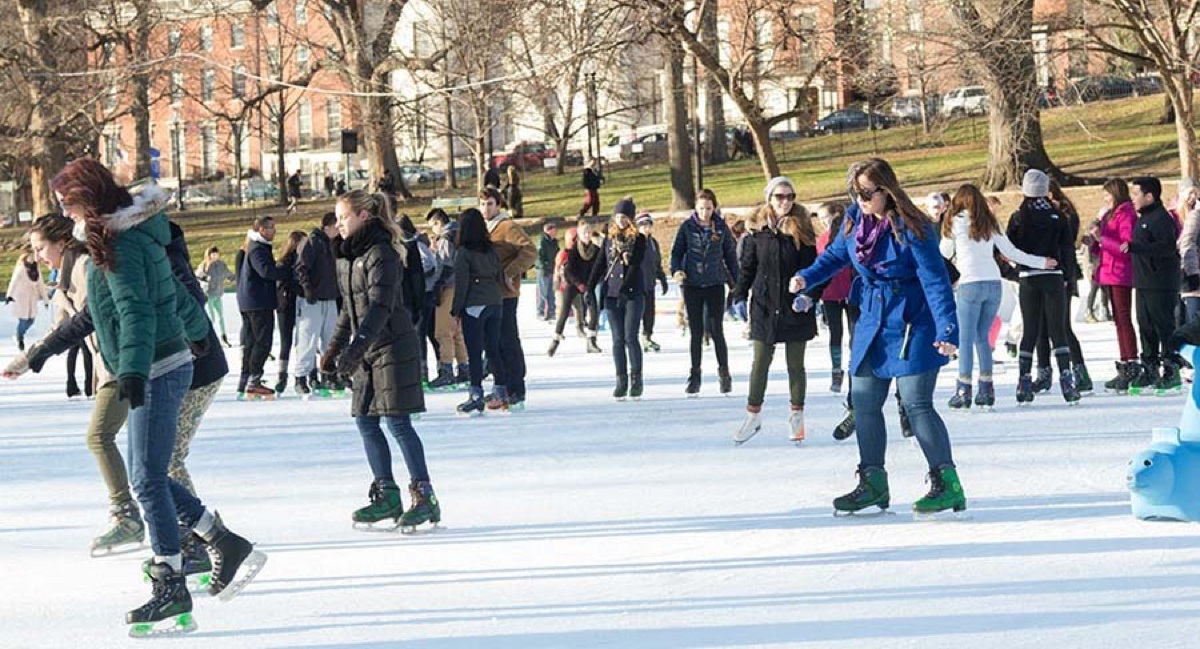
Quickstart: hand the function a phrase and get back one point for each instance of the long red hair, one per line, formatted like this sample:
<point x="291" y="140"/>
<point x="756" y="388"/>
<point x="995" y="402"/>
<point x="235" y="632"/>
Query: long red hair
<point x="89" y="187"/>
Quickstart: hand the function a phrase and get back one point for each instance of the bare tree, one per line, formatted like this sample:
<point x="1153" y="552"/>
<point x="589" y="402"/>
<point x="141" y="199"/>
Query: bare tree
<point x="679" y="141"/>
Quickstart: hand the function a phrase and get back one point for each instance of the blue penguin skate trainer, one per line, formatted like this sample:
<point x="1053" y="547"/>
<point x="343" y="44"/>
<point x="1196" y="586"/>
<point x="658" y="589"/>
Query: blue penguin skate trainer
<point x="1164" y="479"/>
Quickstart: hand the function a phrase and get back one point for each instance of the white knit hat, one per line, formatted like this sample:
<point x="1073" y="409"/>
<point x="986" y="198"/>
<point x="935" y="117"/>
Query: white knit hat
<point x="774" y="183"/>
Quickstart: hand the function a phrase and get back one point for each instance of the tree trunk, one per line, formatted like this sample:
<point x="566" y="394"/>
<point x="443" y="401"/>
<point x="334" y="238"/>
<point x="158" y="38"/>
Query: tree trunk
<point x="679" y="144"/>
<point x="141" y="98"/>
<point x="1167" y="116"/>
<point x="281" y="149"/>
<point x="380" y="137"/>
<point x="716" y="149"/>
<point x="480" y="152"/>
<point x="1179" y="93"/>
<point x="451" y="178"/>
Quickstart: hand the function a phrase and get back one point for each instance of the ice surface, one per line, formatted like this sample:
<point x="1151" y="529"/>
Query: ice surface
<point x="588" y="523"/>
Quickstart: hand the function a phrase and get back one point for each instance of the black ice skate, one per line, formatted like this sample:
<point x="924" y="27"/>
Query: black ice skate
<point x="622" y="389"/>
<point x="725" y="380"/>
<point x="635" y="386"/>
<point x="235" y="562"/>
<point x="169" y="610"/>
<point x="846" y="427"/>
<point x="693" y="384"/>
<point x="474" y="405"/>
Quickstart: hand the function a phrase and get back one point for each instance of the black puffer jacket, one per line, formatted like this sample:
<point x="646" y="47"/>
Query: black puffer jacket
<point x="1155" y="254"/>
<point x="768" y="261"/>
<point x="388" y="381"/>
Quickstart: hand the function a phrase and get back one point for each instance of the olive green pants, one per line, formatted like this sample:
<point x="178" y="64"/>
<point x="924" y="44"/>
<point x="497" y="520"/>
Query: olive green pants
<point x="761" y="366"/>
<point x="108" y="415"/>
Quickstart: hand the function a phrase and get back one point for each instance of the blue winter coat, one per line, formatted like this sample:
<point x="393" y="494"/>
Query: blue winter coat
<point x="904" y="309"/>
<point x="707" y="256"/>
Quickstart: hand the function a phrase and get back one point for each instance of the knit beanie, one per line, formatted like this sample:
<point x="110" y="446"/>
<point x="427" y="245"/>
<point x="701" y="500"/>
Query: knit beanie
<point x="625" y="206"/>
<point x="774" y="183"/>
<point x="1035" y="184"/>
<point x="644" y="219"/>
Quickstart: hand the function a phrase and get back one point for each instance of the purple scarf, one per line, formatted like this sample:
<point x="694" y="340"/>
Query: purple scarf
<point x="870" y="232"/>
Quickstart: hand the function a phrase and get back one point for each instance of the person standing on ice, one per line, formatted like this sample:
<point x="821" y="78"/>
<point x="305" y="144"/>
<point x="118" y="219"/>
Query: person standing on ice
<point x="517" y="256"/>
<point x="478" y="306"/>
<point x="780" y="241"/>
<point x="906" y="331"/>
<point x="144" y="329"/>
<point x="651" y="272"/>
<point x="316" y="273"/>
<point x="376" y="343"/>
<point x="618" y="274"/>
<point x="577" y="270"/>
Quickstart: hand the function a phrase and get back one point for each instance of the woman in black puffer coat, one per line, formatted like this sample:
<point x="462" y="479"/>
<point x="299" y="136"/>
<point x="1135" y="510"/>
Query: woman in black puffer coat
<point x="376" y="343"/>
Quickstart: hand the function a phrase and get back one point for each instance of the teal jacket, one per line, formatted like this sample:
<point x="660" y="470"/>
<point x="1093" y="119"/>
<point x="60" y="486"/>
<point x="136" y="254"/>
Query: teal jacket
<point x="140" y="311"/>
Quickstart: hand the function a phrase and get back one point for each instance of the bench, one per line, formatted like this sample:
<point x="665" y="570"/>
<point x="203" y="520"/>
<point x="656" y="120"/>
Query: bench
<point x="463" y="201"/>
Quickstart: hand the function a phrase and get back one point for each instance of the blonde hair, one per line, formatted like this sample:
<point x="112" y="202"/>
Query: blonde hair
<point x="379" y="207"/>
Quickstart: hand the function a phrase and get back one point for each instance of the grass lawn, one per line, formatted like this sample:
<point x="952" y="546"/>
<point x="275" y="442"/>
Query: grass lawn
<point x="1115" y="138"/>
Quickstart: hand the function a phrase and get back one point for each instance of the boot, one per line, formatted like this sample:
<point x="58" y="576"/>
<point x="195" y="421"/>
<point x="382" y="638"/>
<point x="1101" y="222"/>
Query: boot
<point x="796" y="426"/>
<point x="1170" y="382"/>
<point x="474" y="403"/>
<point x="1024" y="390"/>
<point x="726" y="381"/>
<point x="1083" y="380"/>
<point x="1147" y="378"/>
<point x="127" y="530"/>
<point x="845" y="427"/>
<point x="1119" y="384"/>
<point x="554" y="346"/>
<point x="256" y="390"/>
<point x="20" y="343"/>
<point x="445" y="377"/>
<point x="985" y="396"/>
<point x="1066" y="382"/>
<point x="169" y="600"/>
<point x="693" y="383"/>
<point x="229" y="552"/>
<point x="945" y="492"/>
<point x="592" y="346"/>
<point x="750" y="426"/>
<point x="1010" y="349"/>
<point x="622" y="389"/>
<point x="302" y="387"/>
<point x="837" y="377"/>
<point x="195" y="558"/>
<point x="635" y="386"/>
<point x="424" y="509"/>
<point x="1045" y="377"/>
<point x="962" y="396"/>
<point x="281" y="384"/>
<point x="872" y="491"/>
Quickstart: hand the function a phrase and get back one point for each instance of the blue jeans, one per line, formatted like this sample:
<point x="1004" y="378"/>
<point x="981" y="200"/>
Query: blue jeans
<point x="23" y="325"/>
<point x="870" y="392"/>
<point x="152" y="429"/>
<point x="978" y="303"/>
<point x="379" y="456"/>
<point x="483" y="334"/>
<point x="545" y="294"/>
<point x="1191" y="306"/>
<point x="625" y="313"/>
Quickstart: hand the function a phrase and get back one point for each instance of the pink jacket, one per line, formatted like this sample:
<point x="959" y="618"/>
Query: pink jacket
<point x="838" y="289"/>
<point x="1116" y="267"/>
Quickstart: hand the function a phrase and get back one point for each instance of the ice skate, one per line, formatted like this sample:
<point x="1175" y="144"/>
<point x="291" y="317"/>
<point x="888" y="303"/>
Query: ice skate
<point x="1044" y="380"/>
<point x="424" y="510"/>
<point x="749" y="428"/>
<point x="648" y="345"/>
<point x="796" y="427"/>
<point x="235" y="562"/>
<point x="554" y="346"/>
<point x="836" y="379"/>
<point x="498" y="400"/>
<point x="846" y="427"/>
<point x="474" y="405"/>
<point x="516" y="402"/>
<point x="281" y="384"/>
<point x="870" y="497"/>
<point x="725" y="381"/>
<point x="169" y="610"/>
<point x="1083" y="381"/>
<point x="985" y="396"/>
<point x="962" y="396"/>
<point x="126" y="533"/>
<point x="621" y="391"/>
<point x="1024" y="390"/>
<point x="693" y="384"/>
<point x="1070" y="393"/>
<point x="256" y="391"/>
<point x="1119" y="384"/>
<point x="302" y="387"/>
<point x="197" y="566"/>
<point x="635" y="386"/>
<point x="945" y="498"/>
<point x="444" y="380"/>
<point x="592" y="346"/>
<point x="1147" y="378"/>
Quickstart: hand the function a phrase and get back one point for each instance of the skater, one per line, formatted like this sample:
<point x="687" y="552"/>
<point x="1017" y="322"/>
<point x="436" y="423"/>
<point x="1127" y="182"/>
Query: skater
<point x="145" y="325"/>
<point x="375" y="342"/>
<point x="592" y="180"/>
<point x="1156" y="281"/>
<point x="420" y="272"/>
<point x="835" y="296"/>
<point x="451" y="347"/>
<point x="906" y="331"/>
<point x="703" y="263"/>
<point x="478" y="306"/>
<point x="652" y="272"/>
<point x="780" y="242"/>
<point x="512" y="193"/>
<point x="517" y="255"/>
<point x="1071" y="274"/>
<point x="973" y="237"/>
<point x="214" y="276"/>
<point x="547" y="252"/>
<point x="577" y="270"/>
<point x="317" y="312"/>
<point x="1116" y="276"/>
<point x="618" y="275"/>
<point x="257" y="300"/>
<point x="288" y="292"/>
<point x="1189" y="249"/>
<point x="25" y="292"/>
<point x="294" y="195"/>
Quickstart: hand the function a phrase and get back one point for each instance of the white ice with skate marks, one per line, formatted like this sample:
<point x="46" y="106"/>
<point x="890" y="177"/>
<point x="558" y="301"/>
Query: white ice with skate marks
<point x="585" y="522"/>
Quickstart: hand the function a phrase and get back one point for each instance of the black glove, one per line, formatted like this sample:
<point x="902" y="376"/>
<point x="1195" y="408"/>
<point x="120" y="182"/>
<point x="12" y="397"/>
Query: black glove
<point x="351" y="359"/>
<point x="328" y="362"/>
<point x="133" y="390"/>
<point x="663" y="283"/>
<point x="200" y="348"/>
<point x="37" y="355"/>
<point x="1192" y="282"/>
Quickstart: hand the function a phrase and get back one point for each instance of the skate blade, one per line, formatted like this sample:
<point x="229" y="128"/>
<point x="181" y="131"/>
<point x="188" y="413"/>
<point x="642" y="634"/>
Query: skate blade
<point x="797" y="440"/>
<point x="114" y="550"/>
<point x="694" y="396"/>
<point x="247" y="571"/>
<point x="874" y="511"/>
<point x="945" y="515"/>
<point x="383" y="526"/>
<point x="619" y="399"/>
<point x="738" y="441"/>
<point x="421" y="529"/>
<point x="179" y="624"/>
<point x="473" y="413"/>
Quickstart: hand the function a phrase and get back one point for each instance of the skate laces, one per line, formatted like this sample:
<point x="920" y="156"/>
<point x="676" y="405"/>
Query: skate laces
<point x="936" y="485"/>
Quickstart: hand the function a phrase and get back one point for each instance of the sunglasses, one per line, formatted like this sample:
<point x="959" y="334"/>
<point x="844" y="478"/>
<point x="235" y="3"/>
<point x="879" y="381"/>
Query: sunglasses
<point x="866" y="196"/>
<point x="784" y="197"/>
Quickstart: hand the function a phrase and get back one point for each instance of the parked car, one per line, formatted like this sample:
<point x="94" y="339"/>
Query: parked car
<point x="1147" y="84"/>
<point x="525" y="155"/>
<point x="967" y="100"/>
<point x="907" y="110"/>
<point x="360" y="179"/>
<point x="1097" y="88"/>
<point x="260" y="189"/>
<point x="574" y="157"/>
<point x="852" y="119"/>
<point x="414" y="174"/>
<point x="195" y="197"/>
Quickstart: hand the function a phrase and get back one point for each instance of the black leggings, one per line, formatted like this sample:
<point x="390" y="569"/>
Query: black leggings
<point x="705" y="311"/>
<point x="1043" y="344"/>
<point x="648" y="314"/>
<point x="72" y="354"/>
<point x="586" y="313"/>
<point x="1043" y="300"/>
<point x="833" y="318"/>
<point x="287" y="328"/>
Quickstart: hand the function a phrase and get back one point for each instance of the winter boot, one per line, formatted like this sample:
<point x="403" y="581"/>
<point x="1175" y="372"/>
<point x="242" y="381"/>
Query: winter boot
<point x="230" y="554"/>
<point x="1070" y="392"/>
<point x="302" y="387"/>
<point x="905" y="425"/>
<point x="445" y="377"/>
<point x="281" y="384"/>
<point x="1147" y="378"/>
<point x="845" y="427"/>
<point x="635" y="386"/>
<point x="693" y="383"/>
<point x="726" y="381"/>
<point x="872" y="491"/>
<point x="1119" y="384"/>
<point x="835" y="384"/>
<point x="985" y="396"/>
<point x="592" y="346"/>
<point x="962" y="396"/>
<point x="474" y="405"/>
<point x="1024" y="390"/>
<point x="424" y="509"/>
<point x="750" y="425"/>
<point x="169" y="610"/>
<point x="554" y="346"/>
<point x="796" y="426"/>
<point x="1083" y="380"/>
<point x="1045" y="378"/>
<point x="1169" y="383"/>
<point x="622" y="389"/>
<point x="126" y="533"/>
<point x="498" y="400"/>
<point x="945" y="492"/>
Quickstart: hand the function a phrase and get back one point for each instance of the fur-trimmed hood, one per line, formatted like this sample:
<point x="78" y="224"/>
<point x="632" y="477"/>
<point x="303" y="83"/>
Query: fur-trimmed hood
<point x="761" y="219"/>
<point x="148" y="202"/>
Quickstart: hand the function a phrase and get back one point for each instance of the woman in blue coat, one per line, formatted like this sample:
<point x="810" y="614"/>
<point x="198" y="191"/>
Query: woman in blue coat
<point x="907" y="330"/>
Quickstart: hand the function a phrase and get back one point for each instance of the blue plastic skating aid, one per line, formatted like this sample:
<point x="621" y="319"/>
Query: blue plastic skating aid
<point x="1189" y="421"/>
<point x="1164" y="479"/>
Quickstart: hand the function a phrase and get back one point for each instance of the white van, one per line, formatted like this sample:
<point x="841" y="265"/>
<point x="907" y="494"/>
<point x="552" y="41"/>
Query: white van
<point x="967" y="100"/>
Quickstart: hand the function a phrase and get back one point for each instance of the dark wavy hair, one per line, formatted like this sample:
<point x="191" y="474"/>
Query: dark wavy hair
<point x="472" y="231"/>
<point x="89" y="187"/>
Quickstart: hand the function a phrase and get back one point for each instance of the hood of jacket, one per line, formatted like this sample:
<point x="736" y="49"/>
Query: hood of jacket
<point x="147" y="203"/>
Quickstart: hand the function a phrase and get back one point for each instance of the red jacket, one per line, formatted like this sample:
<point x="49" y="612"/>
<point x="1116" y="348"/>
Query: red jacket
<point x="838" y="289"/>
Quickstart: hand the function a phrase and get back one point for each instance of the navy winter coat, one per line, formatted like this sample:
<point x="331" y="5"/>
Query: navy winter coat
<point x="708" y="256"/>
<point x="256" y="278"/>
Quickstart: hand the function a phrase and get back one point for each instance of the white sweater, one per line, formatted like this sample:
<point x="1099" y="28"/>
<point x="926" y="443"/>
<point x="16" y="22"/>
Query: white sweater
<point x="974" y="259"/>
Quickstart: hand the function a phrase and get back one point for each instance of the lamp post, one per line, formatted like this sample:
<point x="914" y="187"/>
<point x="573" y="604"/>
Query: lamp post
<point x="176" y="154"/>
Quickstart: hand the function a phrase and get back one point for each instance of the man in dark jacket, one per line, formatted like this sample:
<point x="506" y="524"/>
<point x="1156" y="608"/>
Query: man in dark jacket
<point x="652" y="272"/>
<point x="316" y="272"/>
<point x="1156" y="281"/>
<point x="257" y="299"/>
<point x="592" y="179"/>
<point x="293" y="186"/>
<point x="547" y="252"/>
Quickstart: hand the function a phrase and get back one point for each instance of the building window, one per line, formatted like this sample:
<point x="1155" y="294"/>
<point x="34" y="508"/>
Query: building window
<point x="208" y="152"/>
<point x="112" y="148"/>
<point x="237" y="35"/>
<point x="111" y="97"/>
<point x="273" y="14"/>
<point x="206" y="38"/>
<point x="208" y="83"/>
<point x="304" y="123"/>
<point x="302" y="57"/>
<point x="176" y="88"/>
<point x="239" y="81"/>
<point x="273" y="63"/>
<point x="807" y="26"/>
<point x="301" y="12"/>
<point x="174" y="42"/>
<point x="333" y="119"/>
